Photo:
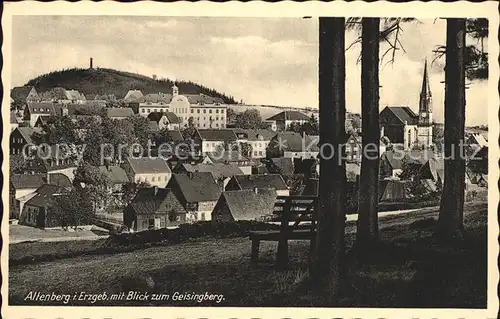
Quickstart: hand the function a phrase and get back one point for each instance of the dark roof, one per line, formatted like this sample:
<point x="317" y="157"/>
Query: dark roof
<point x="250" y="204"/>
<point x="155" y="116"/>
<point x="261" y="181"/>
<point x="47" y="108"/>
<point x="218" y="170"/>
<point x="152" y="199"/>
<point x="254" y="135"/>
<point x="20" y="181"/>
<point x="217" y="135"/>
<point x="395" y="159"/>
<point x="59" y="180"/>
<point x="148" y="165"/>
<point x="20" y="93"/>
<point x="294" y="142"/>
<point x="197" y="187"/>
<point x="289" y="116"/>
<point x="404" y="113"/>
<point x="120" y="112"/>
<point x="115" y="174"/>
<point x="28" y="132"/>
<point x="44" y="195"/>
<point x="172" y="118"/>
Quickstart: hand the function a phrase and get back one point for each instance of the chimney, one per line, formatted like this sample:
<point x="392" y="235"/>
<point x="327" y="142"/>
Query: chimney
<point x="91" y="62"/>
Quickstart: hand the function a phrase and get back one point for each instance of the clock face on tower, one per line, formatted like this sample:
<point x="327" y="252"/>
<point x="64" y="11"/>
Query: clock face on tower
<point x="424" y="114"/>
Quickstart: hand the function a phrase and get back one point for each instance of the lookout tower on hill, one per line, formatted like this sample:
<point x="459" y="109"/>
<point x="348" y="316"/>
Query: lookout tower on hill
<point x="91" y="63"/>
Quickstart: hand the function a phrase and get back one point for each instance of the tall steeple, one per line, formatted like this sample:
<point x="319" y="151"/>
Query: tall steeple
<point x="425" y="105"/>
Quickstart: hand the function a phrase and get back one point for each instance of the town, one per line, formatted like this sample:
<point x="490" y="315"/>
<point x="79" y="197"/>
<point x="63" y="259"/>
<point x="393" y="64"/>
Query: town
<point x="220" y="164"/>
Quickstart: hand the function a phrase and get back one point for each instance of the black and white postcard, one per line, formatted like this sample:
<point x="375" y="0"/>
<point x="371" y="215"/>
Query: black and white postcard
<point x="250" y="160"/>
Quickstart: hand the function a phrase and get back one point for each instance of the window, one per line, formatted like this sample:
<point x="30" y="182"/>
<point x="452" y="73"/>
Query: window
<point x="192" y="111"/>
<point x="198" y="111"/>
<point x="166" y="177"/>
<point x="154" y="110"/>
<point x="143" y="110"/>
<point x="222" y="111"/>
<point x="153" y="179"/>
<point x="202" y="215"/>
<point x="216" y="124"/>
<point x="204" y="125"/>
<point x="260" y="153"/>
<point x="217" y="111"/>
<point x="210" y="111"/>
<point x="216" y="118"/>
<point x="204" y="111"/>
<point x="149" y="110"/>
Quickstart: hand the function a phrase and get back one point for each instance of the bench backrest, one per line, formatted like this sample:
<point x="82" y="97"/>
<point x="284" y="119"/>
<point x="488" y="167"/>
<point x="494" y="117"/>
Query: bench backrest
<point x="301" y="210"/>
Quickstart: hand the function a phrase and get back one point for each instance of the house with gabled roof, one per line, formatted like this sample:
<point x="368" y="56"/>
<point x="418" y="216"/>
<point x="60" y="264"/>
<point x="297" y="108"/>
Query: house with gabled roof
<point x="154" y="208"/>
<point x="53" y="159"/>
<point x="292" y="145"/>
<point x="37" y="211"/>
<point x="34" y="110"/>
<point x="221" y="172"/>
<point x="247" y="204"/>
<point x="154" y="102"/>
<point x="23" y="95"/>
<point x="117" y="178"/>
<point x="119" y="113"/>
<point x="165" y="120"/>
<point x="286" y="118"/>
<point x="198" y="192"/>
<point x="212" y="140"/>
<point x="257" y="139"/>
<point x="154" y="171"/>
<point x="22" y="136"/>
<point x="275" y="181"/>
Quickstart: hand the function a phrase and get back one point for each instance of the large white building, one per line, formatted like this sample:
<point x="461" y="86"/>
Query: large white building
<point x="206" y="112"/>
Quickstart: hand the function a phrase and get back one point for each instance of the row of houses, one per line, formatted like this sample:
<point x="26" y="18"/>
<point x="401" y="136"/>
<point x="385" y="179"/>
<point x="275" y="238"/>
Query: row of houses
<point x="181" y="110"/>
<point x="185" y="197"/>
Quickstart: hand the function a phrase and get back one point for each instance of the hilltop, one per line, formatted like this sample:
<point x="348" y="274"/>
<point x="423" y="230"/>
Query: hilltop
<point x="109" y="81"/>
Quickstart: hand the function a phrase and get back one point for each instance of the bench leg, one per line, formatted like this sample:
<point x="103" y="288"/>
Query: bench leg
<point x="282" y="255"/>
<point x="255" y="250"/>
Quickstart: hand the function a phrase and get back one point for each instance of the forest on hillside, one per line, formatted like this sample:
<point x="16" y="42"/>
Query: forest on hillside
<point x="109" y="81"/>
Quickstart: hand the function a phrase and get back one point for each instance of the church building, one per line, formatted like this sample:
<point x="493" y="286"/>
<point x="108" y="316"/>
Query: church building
<point x="403" y="127"/>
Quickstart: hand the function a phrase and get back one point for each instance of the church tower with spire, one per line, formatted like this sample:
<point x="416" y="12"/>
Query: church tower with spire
<point x="425" y="112"/>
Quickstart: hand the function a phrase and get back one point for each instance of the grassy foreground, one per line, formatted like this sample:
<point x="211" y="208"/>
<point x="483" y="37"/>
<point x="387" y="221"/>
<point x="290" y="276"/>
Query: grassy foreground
<point x="411" y="269"/>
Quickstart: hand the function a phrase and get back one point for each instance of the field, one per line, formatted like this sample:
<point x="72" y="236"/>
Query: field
<point x="412" y="269"/>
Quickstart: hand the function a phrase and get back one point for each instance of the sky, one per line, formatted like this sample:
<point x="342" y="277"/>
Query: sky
<point x="258" y="60"/>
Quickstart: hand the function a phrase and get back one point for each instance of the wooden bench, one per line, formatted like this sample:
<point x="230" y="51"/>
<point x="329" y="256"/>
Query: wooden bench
<point x="297" y="218"/>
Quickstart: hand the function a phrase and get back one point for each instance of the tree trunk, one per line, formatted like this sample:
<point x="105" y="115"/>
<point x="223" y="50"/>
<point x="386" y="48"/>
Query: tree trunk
<point x="329" y="252"/>
<point x="451" y="212"/>
<point x="367" y="231"/>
